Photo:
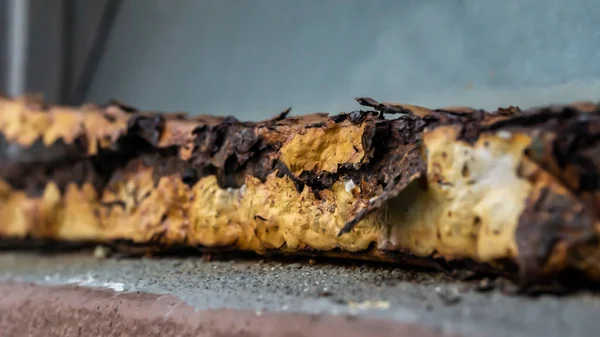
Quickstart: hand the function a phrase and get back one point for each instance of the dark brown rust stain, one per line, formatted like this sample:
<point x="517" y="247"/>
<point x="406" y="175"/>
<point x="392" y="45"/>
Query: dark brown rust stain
<point x="31" y="169"/>
<point x="570" y="151"/>
<point x="549" y="220"/>
<point x="558" y="218"/>
<point x="231" y="150"/>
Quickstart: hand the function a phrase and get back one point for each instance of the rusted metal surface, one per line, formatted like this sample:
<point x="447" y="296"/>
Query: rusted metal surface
<point x="509" y="189"/>
<point x="33" y="310"/>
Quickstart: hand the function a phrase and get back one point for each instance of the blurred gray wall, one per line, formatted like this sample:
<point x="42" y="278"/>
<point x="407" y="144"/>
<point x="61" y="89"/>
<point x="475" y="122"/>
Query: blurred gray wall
<point x="46" y="69"/>
<point x="253" y="58"/>
<point x="3" y="60"/>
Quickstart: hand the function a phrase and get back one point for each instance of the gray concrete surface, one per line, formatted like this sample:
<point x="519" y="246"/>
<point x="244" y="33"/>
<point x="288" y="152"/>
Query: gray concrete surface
<point x="367" y="290"/>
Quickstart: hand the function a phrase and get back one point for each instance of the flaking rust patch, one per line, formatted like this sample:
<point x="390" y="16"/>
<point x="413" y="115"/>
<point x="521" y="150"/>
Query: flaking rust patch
<point x="456" y="183"/>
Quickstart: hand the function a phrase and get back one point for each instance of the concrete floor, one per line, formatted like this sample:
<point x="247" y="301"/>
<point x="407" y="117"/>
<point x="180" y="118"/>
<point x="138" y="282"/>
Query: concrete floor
<point x="433" y="300"/>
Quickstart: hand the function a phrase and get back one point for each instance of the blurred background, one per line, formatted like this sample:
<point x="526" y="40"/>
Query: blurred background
<point x="254" y="58"/>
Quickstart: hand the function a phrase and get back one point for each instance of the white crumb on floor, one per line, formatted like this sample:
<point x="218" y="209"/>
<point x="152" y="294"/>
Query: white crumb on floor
<point x="89" y="280"/>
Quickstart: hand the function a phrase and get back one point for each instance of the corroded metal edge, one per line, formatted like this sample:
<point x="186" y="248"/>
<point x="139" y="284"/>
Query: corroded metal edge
<point x="453" y="183"/>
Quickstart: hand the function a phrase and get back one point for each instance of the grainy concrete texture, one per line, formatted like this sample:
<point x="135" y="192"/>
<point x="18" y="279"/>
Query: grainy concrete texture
<point x="431" y="301"/>
<point x="34" y="310"/>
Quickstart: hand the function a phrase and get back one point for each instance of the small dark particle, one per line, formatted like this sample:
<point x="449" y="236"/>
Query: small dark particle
<point x="367" y="101"/>
<point x="316" y="125"/>
<point x="282" y="115"/>
<point x="357" y="116"/>
<point x="511" y="110"/>
<point x="325" y="293"/>
<point x="444" y="183"/>
<point x="111" y="204"/>
<point x="465" y="171"/>
<point x="258" y="217"/>
<point x="465" y="275"/>
<point x="339" y="118"/>
<point x="270" y="128"/>
<point x="190" y="176"/>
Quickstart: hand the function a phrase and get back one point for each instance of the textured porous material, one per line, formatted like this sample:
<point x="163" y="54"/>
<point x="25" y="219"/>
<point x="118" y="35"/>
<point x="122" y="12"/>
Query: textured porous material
<point x="506" y="189"/>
